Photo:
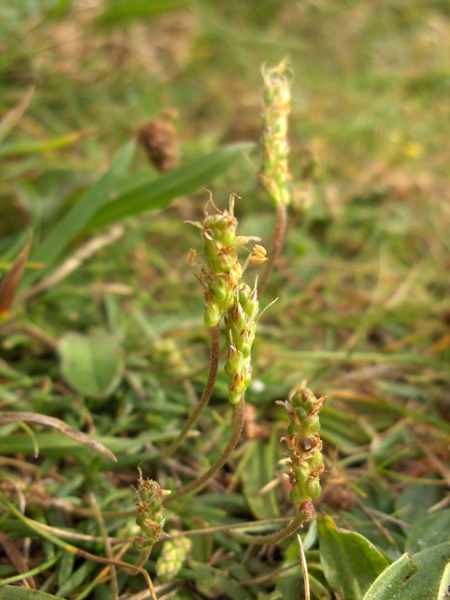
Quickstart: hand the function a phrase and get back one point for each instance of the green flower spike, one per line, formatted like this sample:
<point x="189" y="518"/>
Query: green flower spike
<point x="241" y="329"/>
<point x="274" y="173"/>
<point x="150" y="498"/>
<point x="305" y="462"/>
<point x="221" y="272"/>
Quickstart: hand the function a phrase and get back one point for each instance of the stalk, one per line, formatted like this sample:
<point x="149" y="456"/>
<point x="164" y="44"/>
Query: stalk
<point x="198" y="484"/>
<point x="209" y="386"/>
<point x="277" y="536"/>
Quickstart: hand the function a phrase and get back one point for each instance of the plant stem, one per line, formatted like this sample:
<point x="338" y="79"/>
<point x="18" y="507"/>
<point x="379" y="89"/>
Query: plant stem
<point x="277" y="536"/>
<point x="277" y="245"/>
<point x="197" y="484"/>
<point x="209" y="386"/>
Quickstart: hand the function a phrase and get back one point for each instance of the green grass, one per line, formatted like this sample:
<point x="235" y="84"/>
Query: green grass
<point x="363" y="309"/>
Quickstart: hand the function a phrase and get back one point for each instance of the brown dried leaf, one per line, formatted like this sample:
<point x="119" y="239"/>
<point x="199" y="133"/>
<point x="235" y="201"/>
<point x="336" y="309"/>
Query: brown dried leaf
<point x="14" y="417"/>
<point x="11" y="281"/>
<point x="14" y="555"/>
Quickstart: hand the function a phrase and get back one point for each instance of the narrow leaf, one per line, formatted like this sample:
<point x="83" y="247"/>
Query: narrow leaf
<point x="78" y="216"/>
<point x="46" y="421"/>
<point x="117" y="12"/>
<point x="350" y="562"/>
<point x="181" y="181"/>
<point x="14" y="592"/>
<point x="25" y="148"/>
<point x="92" y="364"/>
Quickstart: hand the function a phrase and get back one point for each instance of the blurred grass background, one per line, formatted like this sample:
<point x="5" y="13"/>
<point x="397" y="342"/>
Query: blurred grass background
<point x="363" y="310"/>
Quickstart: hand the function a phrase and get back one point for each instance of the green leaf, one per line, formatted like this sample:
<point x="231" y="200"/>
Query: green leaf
<point x="391" y="579"/>
<point x="432" y="530"/>
<point x="444" y="588"/>
<point x="78" y="578"/>
<point x="58" y="445"/>
<point x="260" y="461"/>
<point x="179" y="182"/>
<point x="119" y="11"/>
<point x="350" y="562"/>
<point x="415" y="500"/>
<point x="92" y="364"/>
<point x="78" y="216"/>
<point x="13" y="592"/>
<point x="416" y="577"/>
<point x="318" y="589"/>
<point x="32" y="147"/>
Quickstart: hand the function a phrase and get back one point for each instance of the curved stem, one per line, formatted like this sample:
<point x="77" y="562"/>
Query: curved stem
<point x="209" y="386"/>
<point x="197" y="484"/>
<point x="277" y="245"/>
<point x="277" y="536"/>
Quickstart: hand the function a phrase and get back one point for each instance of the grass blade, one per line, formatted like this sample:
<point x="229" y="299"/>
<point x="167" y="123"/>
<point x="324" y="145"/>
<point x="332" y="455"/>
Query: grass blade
<point x="122" y="10"/>
<point x="78" y="216"/>
<point x="183" y="180"/>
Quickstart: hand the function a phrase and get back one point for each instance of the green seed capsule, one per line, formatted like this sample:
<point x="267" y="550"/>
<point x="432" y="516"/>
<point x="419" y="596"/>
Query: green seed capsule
<point x="316" y="461"/>
<point x="313" y="488"/>
<point x="212" y="314"/>
<point x="220" y="290"/>
<point x="298" y="495"/>
<point x="314" y="424"/>
<point x="302" y="412"/>
<point x="302" y="473"/>
<point x="244" y="293"/>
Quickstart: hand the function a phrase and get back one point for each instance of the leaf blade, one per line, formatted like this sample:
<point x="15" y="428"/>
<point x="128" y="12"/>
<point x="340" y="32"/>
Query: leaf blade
<point x="92" y="364"/>
<point x="159" y="192"/>
<point x="350" y="562"/>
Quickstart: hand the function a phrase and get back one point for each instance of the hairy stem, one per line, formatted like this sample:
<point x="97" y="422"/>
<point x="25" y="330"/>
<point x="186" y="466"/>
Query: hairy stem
<point x="209" y="386"/>
<point x="277" y="245"/>
<point x="197" y="484"/>
<point x="277" y="536"/>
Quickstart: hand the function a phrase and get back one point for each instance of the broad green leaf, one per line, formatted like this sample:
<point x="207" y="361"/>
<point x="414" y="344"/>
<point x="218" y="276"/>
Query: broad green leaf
<point x="425" y="582"/>
<point x="389" y="582"/>
<point x="260" y="461"/>
<point x="121" y="10"/>
<point x="350" y="562"/>
<point x="432" y="530"/>
<point x="78" y="216"/>
<point x="92" y="364"/>
<point x="420" y="576"/>
<point x="181" y="181"/>
<point x="14" y="592"/>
